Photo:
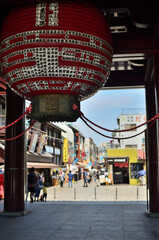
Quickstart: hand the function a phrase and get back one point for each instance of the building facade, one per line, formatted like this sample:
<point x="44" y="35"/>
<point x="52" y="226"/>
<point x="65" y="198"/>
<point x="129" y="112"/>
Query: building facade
<point x="91" y="151"/>
<point x="129" y="121"/>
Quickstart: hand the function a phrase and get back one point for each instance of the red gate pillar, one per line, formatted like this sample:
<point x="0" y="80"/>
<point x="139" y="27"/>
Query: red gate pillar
<point x="152" y="152"/>
<point x="14" y="156"/>
<point x="155" y="207"/>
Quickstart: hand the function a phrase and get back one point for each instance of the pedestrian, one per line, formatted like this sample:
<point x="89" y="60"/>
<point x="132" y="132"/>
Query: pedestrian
<point x="37" y="190"/>
<point x="70" y="179"/>
<point x="45" y="192"/>
<point x="40" y="182"/>
<point x="76" y="177"/>
<point x="85" y="177"/>
<point x="62" y="178"/>
<point x="142" y="174"/>
<point x="32" y="183"/>
<point x="94" y="176"/>
<point x="42" y="177"/>
<point x="97" y="179"/>
<point x="54" y="179"/>
<point x="38" y="187"/>
<point x="90" y="177"/>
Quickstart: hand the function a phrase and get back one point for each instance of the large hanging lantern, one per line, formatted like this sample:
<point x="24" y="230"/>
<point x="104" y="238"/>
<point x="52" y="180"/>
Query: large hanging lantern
<point x="56" y="54"/>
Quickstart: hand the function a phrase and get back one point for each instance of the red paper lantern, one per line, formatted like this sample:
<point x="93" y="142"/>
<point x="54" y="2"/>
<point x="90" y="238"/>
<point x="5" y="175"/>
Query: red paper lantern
<point x="56" y="54"/>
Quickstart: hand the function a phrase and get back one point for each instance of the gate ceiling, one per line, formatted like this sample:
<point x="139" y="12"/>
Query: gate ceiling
<point x="135" y="30"/>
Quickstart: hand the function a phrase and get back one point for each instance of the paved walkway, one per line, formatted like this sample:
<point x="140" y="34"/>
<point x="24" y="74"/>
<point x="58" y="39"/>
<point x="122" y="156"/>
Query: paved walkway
<point x="80" y="221"/>
<point x="70" y="218"/>
<point x="121" y="192"/>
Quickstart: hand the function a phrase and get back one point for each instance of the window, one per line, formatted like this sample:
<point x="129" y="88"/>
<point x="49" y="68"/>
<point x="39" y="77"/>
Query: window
<point x="50" y="134"/>
<point x="131" y="146"/>
<point x="57" y="160"/>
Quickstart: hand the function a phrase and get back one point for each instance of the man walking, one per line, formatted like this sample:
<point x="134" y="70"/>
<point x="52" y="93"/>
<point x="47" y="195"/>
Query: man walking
<point x="85" y="177"/>
<point x="70" y="179"/>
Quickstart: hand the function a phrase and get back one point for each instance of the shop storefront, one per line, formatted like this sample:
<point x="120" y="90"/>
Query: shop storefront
<point x="127" y="165"/>
<point x="119" y="169"/>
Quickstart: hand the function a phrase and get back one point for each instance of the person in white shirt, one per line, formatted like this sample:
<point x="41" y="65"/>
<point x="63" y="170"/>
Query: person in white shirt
<point x="62" y="178"/>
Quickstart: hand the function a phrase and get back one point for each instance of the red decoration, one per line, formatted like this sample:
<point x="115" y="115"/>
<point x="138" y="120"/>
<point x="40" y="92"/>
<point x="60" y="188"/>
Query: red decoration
<point x="1" y="186"/>
<point x="62" y="48"/>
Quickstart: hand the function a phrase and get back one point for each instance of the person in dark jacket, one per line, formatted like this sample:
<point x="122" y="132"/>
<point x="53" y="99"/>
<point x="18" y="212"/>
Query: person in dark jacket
<point x="76" y="177"/>
<point x="31" y="183"/>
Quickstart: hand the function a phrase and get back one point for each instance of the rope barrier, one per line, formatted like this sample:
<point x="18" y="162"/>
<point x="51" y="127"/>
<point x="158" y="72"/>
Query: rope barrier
<point x="109" y="136"/>
<point x="28" y="110"/>
<point x="9" y="125"/>
<point x="108" y="130"/>
<point x="9" y="139"/>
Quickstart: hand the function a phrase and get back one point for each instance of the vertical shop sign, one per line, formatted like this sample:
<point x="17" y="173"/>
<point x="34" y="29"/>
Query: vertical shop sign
<point x="65" y="150"/>
<point x="41" y="143"/>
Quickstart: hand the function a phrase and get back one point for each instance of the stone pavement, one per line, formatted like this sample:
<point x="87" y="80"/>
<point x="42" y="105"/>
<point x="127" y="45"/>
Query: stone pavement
<point x="84" y="218"/>
<point x="120" y="192"/>
<point x="80" y="221"/>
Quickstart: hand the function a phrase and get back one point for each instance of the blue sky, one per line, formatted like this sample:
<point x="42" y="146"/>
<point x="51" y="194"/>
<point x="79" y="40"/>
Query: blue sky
<point x="105" y="106"/>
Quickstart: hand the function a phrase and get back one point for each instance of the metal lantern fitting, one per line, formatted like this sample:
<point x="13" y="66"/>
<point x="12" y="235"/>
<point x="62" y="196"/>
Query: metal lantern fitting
<point x="56" y="54"/>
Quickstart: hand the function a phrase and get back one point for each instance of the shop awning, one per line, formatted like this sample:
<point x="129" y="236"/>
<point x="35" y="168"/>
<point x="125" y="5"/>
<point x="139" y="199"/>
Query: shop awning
<point x="41" y="165"/>
<point x="140" y="154"/>
<point x="35" y="157"/>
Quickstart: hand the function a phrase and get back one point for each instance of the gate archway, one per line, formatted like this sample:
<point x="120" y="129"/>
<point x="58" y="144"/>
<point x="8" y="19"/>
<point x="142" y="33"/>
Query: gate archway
<point x="135" y="33"/>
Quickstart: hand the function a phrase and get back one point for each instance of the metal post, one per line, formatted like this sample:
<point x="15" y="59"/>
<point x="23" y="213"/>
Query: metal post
<point x="116" y="194"/>
<point x="54" y="193"/>
<point x="74" y="193"/>
<point x="95" y="194"/>
<point x="137" y="193"/>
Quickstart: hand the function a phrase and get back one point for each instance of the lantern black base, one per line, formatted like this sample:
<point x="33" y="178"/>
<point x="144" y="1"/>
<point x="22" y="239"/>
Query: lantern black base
<point x="55" y="107"/>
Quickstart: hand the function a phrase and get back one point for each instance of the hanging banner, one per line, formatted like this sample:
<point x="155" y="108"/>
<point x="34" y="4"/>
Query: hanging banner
<point x="41" y="143"/>
<point x="76" y="160"/>
<point x="65" y="150"/>
<point x="33" y="142"/>
<point x="89" y="164"/>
